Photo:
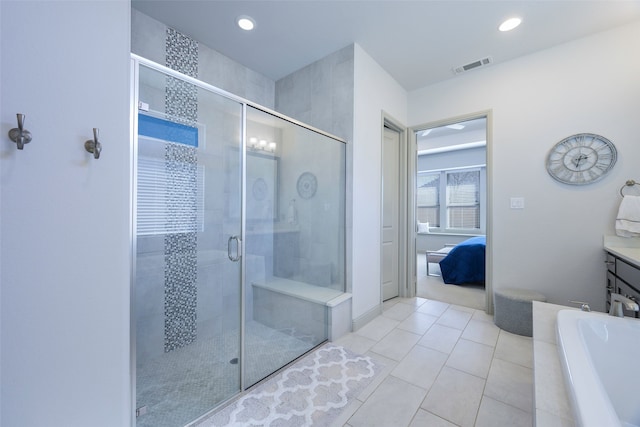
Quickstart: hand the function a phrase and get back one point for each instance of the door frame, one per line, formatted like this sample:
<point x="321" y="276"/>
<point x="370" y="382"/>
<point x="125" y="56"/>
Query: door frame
<point x="411" y="217"/>
<point x="404" y="288"/>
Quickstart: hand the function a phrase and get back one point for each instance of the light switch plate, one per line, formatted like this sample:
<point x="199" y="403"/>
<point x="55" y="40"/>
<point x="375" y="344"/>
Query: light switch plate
<point x="517" y="203"/>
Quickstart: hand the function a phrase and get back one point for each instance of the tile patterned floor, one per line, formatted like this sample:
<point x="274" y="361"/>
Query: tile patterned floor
<point x="445" y="365"/>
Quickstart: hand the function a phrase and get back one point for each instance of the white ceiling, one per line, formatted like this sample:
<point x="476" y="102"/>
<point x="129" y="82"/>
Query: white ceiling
<point x="418" y="42"/>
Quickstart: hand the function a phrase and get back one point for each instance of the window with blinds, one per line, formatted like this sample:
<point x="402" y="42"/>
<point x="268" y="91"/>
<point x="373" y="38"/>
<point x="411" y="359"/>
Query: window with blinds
<point x="170" y="199"/>
<point x="170" y="182"/>
<point x="463" y="199"/>
<point x="428" y="198"/>
<point x="450" y="200"/>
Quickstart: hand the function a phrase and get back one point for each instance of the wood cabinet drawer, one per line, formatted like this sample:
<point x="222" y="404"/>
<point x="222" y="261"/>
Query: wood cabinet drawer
<point x="628" y="273"/>
<point x="611" y="263"/>
<point x="611" y="288"/>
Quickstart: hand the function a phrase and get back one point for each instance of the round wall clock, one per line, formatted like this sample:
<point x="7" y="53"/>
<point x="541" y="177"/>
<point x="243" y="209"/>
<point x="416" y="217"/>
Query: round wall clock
<point x="307" y="185"/>
<point x="260" y="189"/>
<point x="581" y="159"/>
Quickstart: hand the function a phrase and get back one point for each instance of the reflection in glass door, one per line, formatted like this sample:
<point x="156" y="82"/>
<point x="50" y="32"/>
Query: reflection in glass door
<point x="294" y="238"/>
<point x="239" y="244"/>
<point x="188" y="272"/>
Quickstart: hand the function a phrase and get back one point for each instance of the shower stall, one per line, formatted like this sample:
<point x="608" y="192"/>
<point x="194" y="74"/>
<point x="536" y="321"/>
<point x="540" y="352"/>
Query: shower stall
<point x="239" y="243"/>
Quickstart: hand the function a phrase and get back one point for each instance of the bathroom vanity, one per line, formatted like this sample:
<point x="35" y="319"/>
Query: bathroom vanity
<point x="623" y="269"/>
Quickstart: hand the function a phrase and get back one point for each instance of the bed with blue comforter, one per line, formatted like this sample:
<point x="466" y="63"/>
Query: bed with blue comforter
<point x="465" y="262"/>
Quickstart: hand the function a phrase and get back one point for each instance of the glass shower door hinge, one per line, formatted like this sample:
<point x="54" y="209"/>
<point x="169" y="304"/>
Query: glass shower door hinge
<point x="141" y="411"/>
<point x="143" y="106"/>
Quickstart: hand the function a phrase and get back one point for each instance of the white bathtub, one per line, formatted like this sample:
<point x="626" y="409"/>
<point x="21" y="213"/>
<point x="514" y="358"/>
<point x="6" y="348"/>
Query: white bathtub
<point x="600" y="355"/>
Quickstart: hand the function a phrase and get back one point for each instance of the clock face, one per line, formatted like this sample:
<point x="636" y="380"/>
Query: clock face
<point x="260" y="189"/>
<point x="581" y="159"/>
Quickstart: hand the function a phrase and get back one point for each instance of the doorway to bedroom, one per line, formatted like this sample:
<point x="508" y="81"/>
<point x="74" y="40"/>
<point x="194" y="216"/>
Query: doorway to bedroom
<point x="451" y="211"/>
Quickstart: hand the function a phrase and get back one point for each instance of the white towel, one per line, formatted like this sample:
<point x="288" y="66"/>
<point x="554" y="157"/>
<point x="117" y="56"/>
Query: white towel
<point x="628" y="219"/>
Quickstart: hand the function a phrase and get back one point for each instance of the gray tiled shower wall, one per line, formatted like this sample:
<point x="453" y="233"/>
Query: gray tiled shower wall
<point x="148" y="40"/>
<point x="321" y="95"/>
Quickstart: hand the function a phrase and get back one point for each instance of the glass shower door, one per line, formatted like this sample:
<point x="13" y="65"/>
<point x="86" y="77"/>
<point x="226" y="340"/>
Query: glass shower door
<point x="294" y="240"/>
<point x="187" y="290"/>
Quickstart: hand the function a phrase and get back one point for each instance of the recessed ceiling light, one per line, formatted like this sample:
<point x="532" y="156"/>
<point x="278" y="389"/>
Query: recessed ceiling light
<point x="510" y="24"/>
<point x="246" y="22"/>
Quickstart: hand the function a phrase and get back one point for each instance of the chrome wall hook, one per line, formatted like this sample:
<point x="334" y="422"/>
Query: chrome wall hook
<point x="20" y="135"/>
<point x="93" y="146"/>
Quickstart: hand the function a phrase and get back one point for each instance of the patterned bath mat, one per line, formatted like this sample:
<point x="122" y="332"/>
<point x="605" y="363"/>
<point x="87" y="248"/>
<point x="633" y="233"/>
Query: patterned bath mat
<point x="311" y="392"/>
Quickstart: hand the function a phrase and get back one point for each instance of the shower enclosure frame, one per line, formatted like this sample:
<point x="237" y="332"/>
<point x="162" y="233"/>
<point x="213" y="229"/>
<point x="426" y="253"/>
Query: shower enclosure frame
<point x="136" y="62"/>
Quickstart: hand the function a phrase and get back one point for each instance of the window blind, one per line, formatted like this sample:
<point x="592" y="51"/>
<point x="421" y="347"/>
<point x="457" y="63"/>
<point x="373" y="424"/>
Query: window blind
<point x="169" y="200"/>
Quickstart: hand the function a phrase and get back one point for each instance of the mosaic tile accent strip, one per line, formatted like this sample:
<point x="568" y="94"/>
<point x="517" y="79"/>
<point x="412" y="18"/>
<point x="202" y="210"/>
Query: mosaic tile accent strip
<point x="181" y="249"/>
<point x="181" y="195"/>
<point x="312" y="392"/>
<point x="181" y="53"/>
<point x="181" y="102"/>
<point x="181" y="98"/>
<point x="180" y="291"/>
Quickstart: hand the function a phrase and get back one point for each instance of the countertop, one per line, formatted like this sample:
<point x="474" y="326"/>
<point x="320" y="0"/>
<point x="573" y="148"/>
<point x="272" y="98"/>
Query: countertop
<point x="551" y="401"/>
<point x="627" y="248"/>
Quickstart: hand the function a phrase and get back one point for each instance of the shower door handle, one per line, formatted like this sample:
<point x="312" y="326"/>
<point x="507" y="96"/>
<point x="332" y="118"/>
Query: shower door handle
<point x="236" y="257"/>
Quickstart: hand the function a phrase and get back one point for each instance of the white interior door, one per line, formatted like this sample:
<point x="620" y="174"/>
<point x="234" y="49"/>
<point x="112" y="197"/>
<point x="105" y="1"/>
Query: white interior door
<point x="390" y="209"/>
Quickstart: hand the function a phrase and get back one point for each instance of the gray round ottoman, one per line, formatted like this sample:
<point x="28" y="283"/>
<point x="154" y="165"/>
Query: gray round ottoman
<point x="512" y="310"/>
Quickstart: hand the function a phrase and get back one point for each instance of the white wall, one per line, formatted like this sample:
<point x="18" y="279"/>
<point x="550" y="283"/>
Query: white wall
<point x="65" y="216"/>
<point x="149" y="40"/>
<point x="375" y="92"/>
<point x="554" y="245"/>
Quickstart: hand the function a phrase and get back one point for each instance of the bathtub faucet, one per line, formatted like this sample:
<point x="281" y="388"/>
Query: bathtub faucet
<point x="617" y="301"/>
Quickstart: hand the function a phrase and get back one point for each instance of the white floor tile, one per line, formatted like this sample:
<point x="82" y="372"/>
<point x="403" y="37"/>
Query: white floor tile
<point x="455" y="396"/>
<point x="493" y="413"/>
<point x="471" y="357"/>
<point x="390" y="303"/>
<point x="415" y="301"/>
<point x="399" y="311"/>
<point x="427" y="419"/>
<point x="433" y="307"/>
<point x="441" y="338"/>
<point x="481" y="315"/>
<point x="454" y="318"/>
<point x="481" y="332"/>
<point x="377" y="328"/>
<point x="392" y="404"/>
<point x="388" y="365"/>
<point x="511" y="384"/>
<point x="396" y="344"/>
<point x="420" y="367"/>
<point x="346" y="413"/>
<point x="418" y="323"/>
<point x="356" y="343"/>
<point x="515" y="349"/>
<point x="442" y="352"/>
<point x="462" y="308"/>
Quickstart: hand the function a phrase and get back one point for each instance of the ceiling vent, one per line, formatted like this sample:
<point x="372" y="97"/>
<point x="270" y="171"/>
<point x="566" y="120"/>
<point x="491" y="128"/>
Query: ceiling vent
<point x="473" y="65"/>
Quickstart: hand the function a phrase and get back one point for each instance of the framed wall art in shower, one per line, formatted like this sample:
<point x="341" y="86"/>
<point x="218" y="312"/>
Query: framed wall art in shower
<point x="262" y="186"/>
<point x="307" y="185"/>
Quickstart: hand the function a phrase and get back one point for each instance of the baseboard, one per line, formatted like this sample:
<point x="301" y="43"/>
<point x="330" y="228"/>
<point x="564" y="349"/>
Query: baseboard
<point x="367" y="317"/>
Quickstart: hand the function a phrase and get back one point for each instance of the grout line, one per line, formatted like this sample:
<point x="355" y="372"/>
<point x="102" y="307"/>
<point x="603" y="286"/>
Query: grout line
<point x="485" y="380"/>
